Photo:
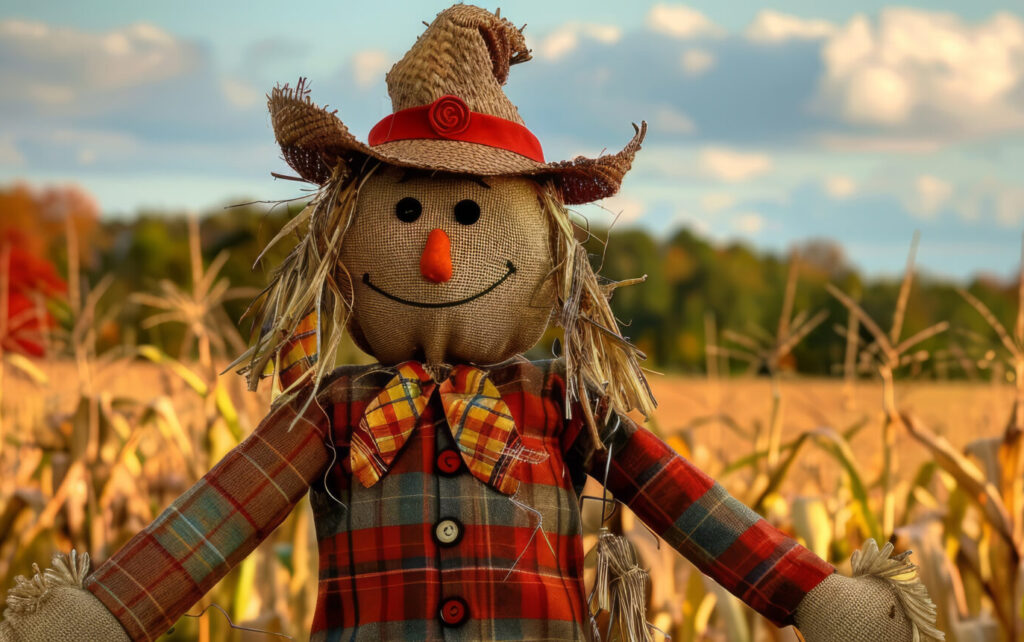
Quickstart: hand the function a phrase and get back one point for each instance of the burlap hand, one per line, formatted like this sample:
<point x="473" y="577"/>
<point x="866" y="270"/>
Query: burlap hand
<point x="884" y="601"/>
<point x="52" y="606"/>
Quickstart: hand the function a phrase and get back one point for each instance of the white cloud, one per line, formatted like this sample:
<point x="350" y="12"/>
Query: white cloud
<point x="672" y="121"/>
<point x="1009" y="207"/>
<point x="9" y="153"/>
<point x="240" y="94"/>
<point x="748" y="223"/>
<point x="84" y="146"/>
<point x="369" y="67"/>
<point x="772" y="27"/>
<point x="130" y="99"/>
<point x="625" y="208"/>
<point x="874" y="144"/>
<point x="915" y="70"/>
<point x="49" y="94"/>
<point x="86" y="156"/>
<point x="567" y="37"/>
<point x="716" y="201"/>
<point x="108" y="140"/>
<point x="969" y="210"/>
<point x="731" y="165"/>
<point x="840" y="187"/>
<point x="680" y="21"/>
<point x="24" y="29"/>
<point x="877" y="95"/>
<point x="696" y="61"/>
<point x="993" y="200"/>
<point x="929" y="195"/>
<point x="65" y="62"/>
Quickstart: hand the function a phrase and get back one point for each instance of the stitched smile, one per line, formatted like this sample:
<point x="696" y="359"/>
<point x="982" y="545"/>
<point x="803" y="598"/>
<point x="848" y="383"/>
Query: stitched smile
<point x="447" y="304"/>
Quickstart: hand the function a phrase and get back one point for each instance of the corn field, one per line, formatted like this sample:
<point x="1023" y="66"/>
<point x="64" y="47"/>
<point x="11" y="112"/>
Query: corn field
<point x="94" y="445"/>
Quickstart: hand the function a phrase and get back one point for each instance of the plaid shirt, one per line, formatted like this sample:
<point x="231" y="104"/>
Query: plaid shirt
<point x="430" y="552"/>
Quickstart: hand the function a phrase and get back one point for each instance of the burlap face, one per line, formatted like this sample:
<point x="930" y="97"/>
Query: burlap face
<point x="499" y="298"/>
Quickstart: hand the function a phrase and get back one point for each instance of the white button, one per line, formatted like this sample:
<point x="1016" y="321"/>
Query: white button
<point x="447" y="531"/>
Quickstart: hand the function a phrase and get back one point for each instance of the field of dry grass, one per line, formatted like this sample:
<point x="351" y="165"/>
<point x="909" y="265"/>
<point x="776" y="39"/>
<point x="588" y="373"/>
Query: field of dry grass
<point x="961" y="411"/>
<point x="714" y="422"/>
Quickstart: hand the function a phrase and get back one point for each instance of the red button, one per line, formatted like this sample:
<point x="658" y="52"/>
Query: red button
<point x="449" y="462"/>
<point x="454" y="611"/>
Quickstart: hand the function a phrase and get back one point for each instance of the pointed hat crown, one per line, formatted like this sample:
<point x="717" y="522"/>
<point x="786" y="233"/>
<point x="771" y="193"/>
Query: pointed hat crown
<point x="449" y="114"/>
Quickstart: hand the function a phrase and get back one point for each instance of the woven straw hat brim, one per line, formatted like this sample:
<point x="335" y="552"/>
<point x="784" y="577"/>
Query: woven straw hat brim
<point x="456" y="156"/>
<point x="313" y="141"/>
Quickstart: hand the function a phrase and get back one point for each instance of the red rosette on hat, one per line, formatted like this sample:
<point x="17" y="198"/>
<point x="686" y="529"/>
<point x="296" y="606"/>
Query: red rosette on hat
<point x="449" y="116"/>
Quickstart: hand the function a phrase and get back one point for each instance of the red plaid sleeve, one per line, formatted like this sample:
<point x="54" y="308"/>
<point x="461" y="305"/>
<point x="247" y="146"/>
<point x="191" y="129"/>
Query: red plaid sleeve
<point x="161" y="572"/>
<point x="726" y="540"/>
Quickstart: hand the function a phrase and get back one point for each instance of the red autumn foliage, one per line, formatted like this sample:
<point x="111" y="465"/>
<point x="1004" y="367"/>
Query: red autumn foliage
<point x="28" y="280"/>
<point x="32" y="223"/>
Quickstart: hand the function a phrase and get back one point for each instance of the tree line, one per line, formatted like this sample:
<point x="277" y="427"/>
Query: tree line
<point x="694" y="287"/>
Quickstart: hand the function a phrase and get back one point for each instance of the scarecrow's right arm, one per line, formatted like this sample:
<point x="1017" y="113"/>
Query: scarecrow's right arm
<point x="753" y="560"/>
<point x="168" y="567"/>
<point x="694" y="514"/>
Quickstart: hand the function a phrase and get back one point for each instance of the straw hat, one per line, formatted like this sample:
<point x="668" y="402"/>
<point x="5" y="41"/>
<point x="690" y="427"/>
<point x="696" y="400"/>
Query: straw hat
<point x="450" y="115"/>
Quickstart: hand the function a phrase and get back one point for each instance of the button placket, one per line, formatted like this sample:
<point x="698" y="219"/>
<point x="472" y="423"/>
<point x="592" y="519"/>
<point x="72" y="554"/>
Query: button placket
<point x="448" y="531"/>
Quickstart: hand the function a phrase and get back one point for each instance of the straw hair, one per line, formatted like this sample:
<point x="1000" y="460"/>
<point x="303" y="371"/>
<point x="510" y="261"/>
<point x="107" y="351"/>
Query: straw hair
<point x="311" y="279"/>
<point x="599" y="361"/>
<point x="53" y="606"/>
<point x="621" y="586"/>
<point x="28" y="594"/>
<point x="466" y="52"/>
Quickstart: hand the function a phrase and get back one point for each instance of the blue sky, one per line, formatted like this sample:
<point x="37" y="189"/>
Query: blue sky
<point x="772" y="123"/>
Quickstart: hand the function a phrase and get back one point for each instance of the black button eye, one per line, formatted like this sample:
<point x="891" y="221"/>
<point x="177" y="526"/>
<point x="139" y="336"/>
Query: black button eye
<point x="408" y="209"/>
<point x="467" y="212"/>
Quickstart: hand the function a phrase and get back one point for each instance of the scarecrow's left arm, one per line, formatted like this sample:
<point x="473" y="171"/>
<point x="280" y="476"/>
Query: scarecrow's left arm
<point x="156" y="577"/>
<point x="165" y="569"/>
<point x="733" y="545"/>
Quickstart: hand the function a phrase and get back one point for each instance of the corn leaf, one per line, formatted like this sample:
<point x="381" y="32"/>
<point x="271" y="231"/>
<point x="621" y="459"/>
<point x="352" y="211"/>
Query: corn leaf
<point x="967" y="475"/>
<point x="835" y="445"/>
<point x="158" y="356"/>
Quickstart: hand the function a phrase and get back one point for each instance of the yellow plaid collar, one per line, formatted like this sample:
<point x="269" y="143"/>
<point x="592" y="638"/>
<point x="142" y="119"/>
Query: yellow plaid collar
<point x="479" y="420"/>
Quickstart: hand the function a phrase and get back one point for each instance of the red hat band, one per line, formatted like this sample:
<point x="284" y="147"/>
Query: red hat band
<point x="449" y="118"/>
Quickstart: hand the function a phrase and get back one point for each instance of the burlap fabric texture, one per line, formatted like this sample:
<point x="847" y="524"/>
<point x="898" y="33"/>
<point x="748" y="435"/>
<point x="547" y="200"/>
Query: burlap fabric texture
<point x="864" y="607"/>
<point x="52" y="606"/>
<point x="465" y="52"/>
<point x="884" y="601"/>
<point x="501" y="268"/>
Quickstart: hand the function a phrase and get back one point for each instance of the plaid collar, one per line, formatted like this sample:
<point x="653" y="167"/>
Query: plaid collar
<point x="480" y="422"/>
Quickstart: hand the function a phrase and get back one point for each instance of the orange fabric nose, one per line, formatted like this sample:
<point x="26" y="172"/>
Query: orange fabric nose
<point x="436" y="262"/>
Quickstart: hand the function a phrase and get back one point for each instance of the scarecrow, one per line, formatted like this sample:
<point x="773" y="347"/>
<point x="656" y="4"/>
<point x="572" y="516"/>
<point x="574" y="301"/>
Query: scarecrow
<point x="446" y="479"/>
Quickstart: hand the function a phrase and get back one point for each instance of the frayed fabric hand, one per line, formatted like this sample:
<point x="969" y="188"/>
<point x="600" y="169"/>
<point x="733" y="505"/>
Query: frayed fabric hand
<point x="52" y="606"/>
<point x="883" y="602"/>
